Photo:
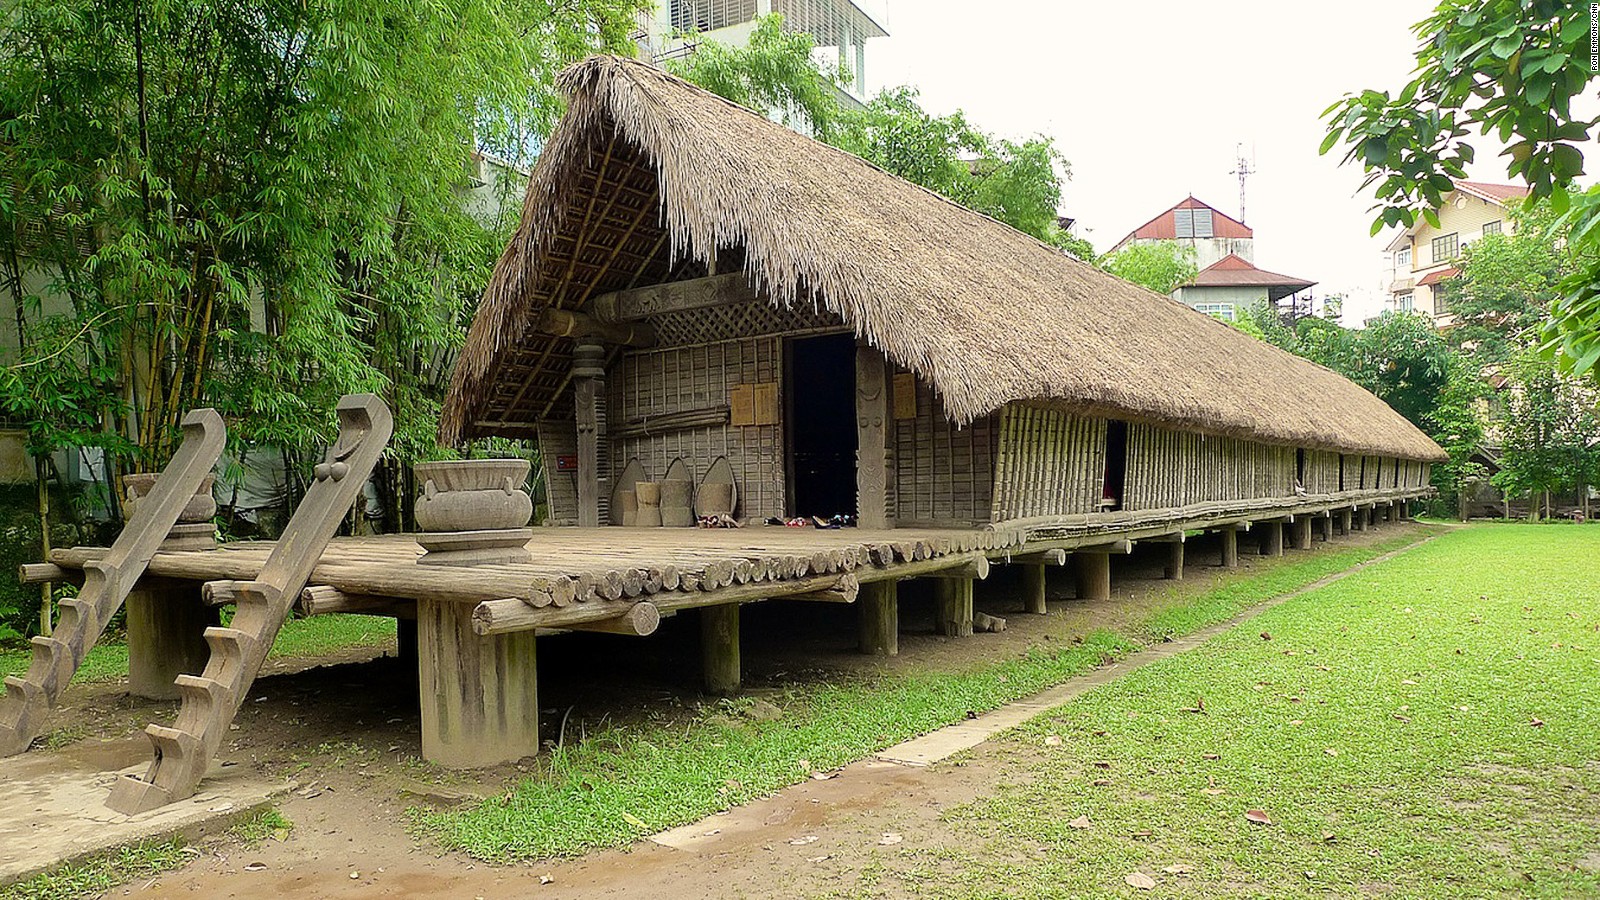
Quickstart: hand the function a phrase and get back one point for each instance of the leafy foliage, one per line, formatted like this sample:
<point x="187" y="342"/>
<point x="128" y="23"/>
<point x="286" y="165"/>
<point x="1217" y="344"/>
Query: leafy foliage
<point x="1160" y="266"/>
<point x="1018" y="183"/>
<point x="1510" y="68"/>
<point x="259" y="206"/>
<point x="774" y="72"/>
<point x="1506" y="286"/>
<point x="1548" y="425"/>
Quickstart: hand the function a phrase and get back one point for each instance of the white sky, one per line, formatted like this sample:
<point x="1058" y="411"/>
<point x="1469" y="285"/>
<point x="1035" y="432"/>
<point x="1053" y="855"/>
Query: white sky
<point x="1147" y="101"/>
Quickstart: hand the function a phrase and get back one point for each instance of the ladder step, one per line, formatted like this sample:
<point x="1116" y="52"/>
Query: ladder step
<point x="231" y="647"/>
<point x="21" y="691"/>
<point x="207" y="695"/>
<point x="173" y="747"/>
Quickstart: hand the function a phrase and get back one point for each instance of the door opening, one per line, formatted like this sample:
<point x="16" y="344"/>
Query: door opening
<point x="822" y="426"/>
<point x="1116" y="477"/>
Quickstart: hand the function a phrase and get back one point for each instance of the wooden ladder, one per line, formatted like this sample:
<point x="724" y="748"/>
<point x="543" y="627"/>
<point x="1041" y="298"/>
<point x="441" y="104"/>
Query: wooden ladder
<point x="211" y="699"/>
<point x="106" y="583"/>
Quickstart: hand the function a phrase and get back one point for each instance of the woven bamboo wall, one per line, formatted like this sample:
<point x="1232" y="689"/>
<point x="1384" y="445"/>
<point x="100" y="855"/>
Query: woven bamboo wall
<point x="559" y="438"/>
<point x="943" y="473"/>
<point x="1048" y="463"/>
<point x="674" y="380"/>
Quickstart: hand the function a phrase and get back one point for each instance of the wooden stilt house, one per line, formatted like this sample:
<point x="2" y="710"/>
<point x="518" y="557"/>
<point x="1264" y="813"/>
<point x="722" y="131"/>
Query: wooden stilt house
<point x="691" y="282"/>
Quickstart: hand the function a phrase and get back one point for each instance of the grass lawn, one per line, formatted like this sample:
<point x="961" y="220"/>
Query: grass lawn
<point x="1427" y="728"/>
<point x="299" y="638"/>
<point x="622" y="784"/>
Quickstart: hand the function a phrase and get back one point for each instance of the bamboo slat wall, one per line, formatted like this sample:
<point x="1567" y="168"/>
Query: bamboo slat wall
<point x="943" y="472"/>
<point x="1049" y="463"/>
<point x="654" y="383"/>
<point x="1321" y="472"/>
<point x="558" y="438"/>
<point x="1172" y="468"/>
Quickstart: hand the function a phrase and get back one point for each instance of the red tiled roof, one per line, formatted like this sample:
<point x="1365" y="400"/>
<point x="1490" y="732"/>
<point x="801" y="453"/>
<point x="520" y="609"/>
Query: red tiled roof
<point x="1441" y="275"/>
<point x="1164" y="228"/>
<point x="1500" y="192"/>
<point x="1234" y="270"/>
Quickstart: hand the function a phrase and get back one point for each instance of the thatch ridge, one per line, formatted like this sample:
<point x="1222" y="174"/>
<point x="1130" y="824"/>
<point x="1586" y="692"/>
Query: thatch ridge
<point x="985" y="314"/>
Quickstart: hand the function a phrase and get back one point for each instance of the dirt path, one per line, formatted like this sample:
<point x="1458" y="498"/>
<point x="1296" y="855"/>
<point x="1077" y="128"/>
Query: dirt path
<point x="349" y="838"/>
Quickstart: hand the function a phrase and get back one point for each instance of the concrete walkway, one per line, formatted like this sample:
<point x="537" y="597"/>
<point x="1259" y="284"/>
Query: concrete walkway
<point x="52" y="805"/>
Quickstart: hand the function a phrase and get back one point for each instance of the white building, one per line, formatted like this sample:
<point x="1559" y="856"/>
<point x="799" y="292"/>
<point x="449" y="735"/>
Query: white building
<point x="841" y="29"/>
<point x="1422" y="257"/>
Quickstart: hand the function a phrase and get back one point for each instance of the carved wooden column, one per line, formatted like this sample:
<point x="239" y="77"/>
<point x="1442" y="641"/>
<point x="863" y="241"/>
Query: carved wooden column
<point x="588" y="386"/>
<point x="872" y="439"/>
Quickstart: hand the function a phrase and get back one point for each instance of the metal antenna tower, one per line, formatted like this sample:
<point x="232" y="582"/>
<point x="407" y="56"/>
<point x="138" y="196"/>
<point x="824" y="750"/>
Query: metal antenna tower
<point x="1243" y="168"/>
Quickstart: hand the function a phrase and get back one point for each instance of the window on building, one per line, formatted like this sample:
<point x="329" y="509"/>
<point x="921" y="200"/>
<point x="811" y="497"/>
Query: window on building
<point x="1192" y="223"/>
<point x="1491" y="227"/>
<point x="709" y="15"/>
<point x="1402" y="258"/>
<point x="1405" y="302"/>
<point x="1445" y="247"/>
<point x="1223" y="311"/>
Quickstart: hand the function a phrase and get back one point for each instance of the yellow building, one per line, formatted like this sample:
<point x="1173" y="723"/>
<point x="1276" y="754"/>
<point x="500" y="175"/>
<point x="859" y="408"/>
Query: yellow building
<point x="1422" y="257"/>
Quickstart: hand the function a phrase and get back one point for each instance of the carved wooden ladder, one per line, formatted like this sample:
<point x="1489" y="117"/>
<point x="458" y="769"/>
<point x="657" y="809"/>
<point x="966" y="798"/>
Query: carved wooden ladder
<point x="211" y="699"/>
<point x="106" y="583"/>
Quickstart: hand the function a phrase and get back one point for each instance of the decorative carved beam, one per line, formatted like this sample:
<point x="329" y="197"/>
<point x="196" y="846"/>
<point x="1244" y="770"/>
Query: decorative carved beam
<point x="566" y="323"/>
<point x="678" y="296"/>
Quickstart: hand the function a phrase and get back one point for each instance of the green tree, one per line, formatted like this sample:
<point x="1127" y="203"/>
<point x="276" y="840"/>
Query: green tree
<point x="1160" y="265"/>
<point x="773" y="73"/>
<point x="171" y="168"/>
<point x="1548" y="424"/>
<point x="1510" y="68"/>
<point x="1018" y="183"/>
<point x="1506" y="286"/>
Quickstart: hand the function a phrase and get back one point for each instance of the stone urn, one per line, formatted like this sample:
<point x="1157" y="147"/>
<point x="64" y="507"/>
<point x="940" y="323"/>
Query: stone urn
<point x="200" y="508"/>
<point x="474" y="511"/>
<point x="193" y="530"/>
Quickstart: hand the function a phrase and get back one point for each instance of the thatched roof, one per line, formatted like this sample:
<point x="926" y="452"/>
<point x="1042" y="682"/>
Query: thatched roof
<point x="648" y="174"/>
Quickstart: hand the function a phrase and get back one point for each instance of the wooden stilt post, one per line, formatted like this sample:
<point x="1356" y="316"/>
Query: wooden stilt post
<point x="1326" y="524"/>
<point x="1174" y="570"/>
<point x="1302" y="532"/>
<point x="480" y="699"/>
<point x="955" y="606"/>
<point x="1093" y="572"/>
<point x="1271" y="538"/>
<point x="1359" y="518"/>
<point x="166" y="623"/>
<point x="588" y="387"/>
<point x="1230" y="546"/>
<point x="1033" y="589"/>
<point x="719" y="647"/>
<point x="1344" y="522"/>
<point x="879" y="610"/>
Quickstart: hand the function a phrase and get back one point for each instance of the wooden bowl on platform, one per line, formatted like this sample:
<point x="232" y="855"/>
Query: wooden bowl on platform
<point x="473" y="495"/>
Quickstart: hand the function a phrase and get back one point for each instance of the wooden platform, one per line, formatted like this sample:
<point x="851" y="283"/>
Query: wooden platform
<point x="475" y="626"/>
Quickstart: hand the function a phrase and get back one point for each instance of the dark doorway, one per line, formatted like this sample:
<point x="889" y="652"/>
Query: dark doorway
<point x="1116" y="479"/>
<point x="1300" y="468"/>
<point x="822" y="426"/>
